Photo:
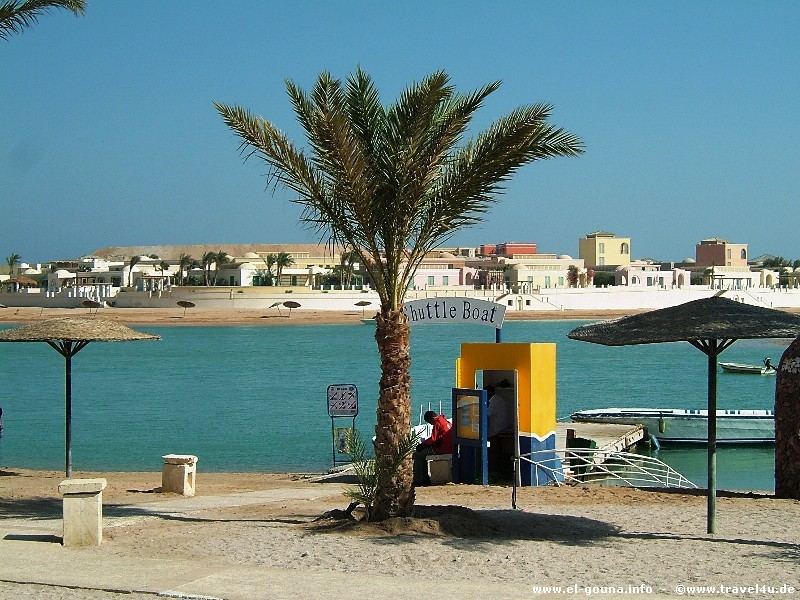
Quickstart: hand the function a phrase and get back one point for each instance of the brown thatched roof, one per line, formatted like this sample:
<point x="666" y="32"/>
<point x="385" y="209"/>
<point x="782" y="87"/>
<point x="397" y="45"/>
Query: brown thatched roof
<point x="72" y="329"/>
<point x="710" y="318"/>
<point x="23" y="281"/>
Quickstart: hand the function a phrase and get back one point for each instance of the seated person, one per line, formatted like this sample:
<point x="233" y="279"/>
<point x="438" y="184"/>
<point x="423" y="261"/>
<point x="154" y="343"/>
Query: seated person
<point x="498" y="420"/>
<point x="440" y="442"/>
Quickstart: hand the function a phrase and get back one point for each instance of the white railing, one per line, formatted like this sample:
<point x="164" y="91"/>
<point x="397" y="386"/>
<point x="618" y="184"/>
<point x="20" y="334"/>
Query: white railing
<point x="601" y="467"/>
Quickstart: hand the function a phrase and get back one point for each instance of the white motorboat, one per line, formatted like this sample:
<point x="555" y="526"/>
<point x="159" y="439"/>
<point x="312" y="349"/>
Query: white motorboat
<point x="764" y="369"/>
<point x="672" y="425"/>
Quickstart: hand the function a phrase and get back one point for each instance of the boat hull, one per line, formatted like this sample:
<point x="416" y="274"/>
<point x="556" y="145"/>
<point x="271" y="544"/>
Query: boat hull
<point x="690" y="426"/>
<point x="746" y="369"/>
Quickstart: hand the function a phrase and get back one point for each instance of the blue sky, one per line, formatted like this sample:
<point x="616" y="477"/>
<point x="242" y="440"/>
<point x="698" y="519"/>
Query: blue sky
<point x="688" y="110"/>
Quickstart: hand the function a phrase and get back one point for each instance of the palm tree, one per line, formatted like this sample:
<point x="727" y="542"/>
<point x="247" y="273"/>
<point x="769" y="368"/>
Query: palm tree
<point x="220" y="259"/>
<point x="163" y="266"/>
<point x="347" y="261"/>
<point x="185" y="262"/>
<point x="208" y="259"/>
<point x="132" y="263"/>
<point x="12" y="262"/>
<point x="282" y="260"/>
<point x="17" y="15"/>
<point x="394" y="182"/>
<point x="270" y="262"/>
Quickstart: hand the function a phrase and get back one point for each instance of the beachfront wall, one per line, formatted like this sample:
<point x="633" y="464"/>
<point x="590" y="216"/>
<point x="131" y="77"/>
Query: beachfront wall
<point x="535" y="367"/>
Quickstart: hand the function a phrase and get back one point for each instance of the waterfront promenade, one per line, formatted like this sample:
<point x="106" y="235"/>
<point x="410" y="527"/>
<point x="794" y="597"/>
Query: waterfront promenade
<point x="256" y="536"/>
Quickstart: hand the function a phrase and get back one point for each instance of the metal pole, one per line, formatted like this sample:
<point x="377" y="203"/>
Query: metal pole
<point x="68" y="409"/>
<point x="711" y="513"/>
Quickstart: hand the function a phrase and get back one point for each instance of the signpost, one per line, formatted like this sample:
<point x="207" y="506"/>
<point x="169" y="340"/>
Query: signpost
<point x="342" y="403"/>
<point x="457" y="310"/>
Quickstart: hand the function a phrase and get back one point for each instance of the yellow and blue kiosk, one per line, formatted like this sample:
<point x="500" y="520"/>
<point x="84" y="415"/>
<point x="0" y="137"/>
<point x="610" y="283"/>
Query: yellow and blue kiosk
<point x="519" y="417"/>
<point x="522" y="377"/>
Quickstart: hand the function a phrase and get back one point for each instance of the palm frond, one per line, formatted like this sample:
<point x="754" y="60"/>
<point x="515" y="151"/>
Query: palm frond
<point x="16" y="16"/>
<point x="370" y="473"/>
<point x="396" y="181"/>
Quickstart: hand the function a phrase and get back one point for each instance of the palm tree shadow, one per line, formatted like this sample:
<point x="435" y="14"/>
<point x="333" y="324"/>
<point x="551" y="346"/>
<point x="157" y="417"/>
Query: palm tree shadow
<point x="34" y="537"/>
<point x="461" y="527"/>
<point x="37" y="508"/>
<point x="128" y="510"/>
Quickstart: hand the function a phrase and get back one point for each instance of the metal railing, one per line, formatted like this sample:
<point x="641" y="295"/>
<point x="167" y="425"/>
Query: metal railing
<point x="600" y="467"/>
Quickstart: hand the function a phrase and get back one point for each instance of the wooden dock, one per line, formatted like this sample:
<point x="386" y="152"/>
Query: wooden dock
<point x="607" y="436"/>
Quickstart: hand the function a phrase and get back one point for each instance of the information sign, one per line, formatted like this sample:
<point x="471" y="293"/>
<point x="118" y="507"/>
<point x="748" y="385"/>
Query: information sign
<point x="342" y="400"/>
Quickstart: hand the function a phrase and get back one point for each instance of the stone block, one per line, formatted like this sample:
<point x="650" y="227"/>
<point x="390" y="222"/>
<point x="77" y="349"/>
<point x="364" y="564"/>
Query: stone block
<point x="83" y="511"/>
<point x="440" y="468"/>
<point x="178" y="474"/>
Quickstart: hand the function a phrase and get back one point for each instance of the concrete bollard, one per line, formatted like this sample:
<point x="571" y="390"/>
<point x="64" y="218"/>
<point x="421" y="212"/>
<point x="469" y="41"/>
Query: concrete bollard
<point x="178" y="474"/>
<point x="439" y="468"/>
<point x="83" y="511"/>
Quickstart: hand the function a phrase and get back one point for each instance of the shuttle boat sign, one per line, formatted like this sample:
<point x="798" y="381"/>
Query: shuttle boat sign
<point x="455" y="310"/>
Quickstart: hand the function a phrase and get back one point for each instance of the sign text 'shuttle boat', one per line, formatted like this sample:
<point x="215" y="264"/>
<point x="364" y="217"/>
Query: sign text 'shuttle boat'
<point x="672" y="425"/>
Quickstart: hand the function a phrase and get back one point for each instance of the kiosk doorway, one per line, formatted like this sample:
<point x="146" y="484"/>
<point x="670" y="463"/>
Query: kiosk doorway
<point x="502" y="422"/>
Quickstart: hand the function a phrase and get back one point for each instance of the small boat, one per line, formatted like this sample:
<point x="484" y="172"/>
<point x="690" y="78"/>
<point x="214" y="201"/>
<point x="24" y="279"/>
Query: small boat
<point x="765" y="369"/>
<point x="672" y="425"/>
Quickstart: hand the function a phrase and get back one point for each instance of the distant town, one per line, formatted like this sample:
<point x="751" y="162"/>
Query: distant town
<point x="514" y="273"/>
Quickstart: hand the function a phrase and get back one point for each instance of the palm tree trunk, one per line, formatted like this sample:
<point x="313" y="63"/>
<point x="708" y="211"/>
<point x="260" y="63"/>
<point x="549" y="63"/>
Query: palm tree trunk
<point x="395" y="493"/>
<point x="787" y="424"/>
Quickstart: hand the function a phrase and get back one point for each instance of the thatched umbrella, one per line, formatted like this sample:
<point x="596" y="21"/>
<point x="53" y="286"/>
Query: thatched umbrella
<point x="363" y="304"/>
<point x="290" y="304"/>
<point x="185" y="304"/>
<point x="711" y="325"/>
<point x="69" y="336"/>
<point x="92" y="304"/>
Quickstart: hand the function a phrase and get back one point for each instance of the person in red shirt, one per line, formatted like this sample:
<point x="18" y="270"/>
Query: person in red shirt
<point x="440" y="442"/>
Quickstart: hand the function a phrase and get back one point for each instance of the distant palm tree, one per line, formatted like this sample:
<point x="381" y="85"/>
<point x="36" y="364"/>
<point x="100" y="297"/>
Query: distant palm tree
<point x="282" y="260"/>
<point x="12" y="262"/>
<point x="208" y="259"/>
<point x="185" y="262"/>
<point x="17" y="15"/>
<point x="347" y="261"/>
<point x="163" y="266"/>
<point x="393" y="183"/>
<point x="221" y="259"/>
<point x="270" y="262"/>
<point x="132" y="263"/>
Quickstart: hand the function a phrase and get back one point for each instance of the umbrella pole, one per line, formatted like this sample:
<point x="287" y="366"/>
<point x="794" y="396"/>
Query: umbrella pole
<point x="68" y="409"/>
<point x="711" y="513"/>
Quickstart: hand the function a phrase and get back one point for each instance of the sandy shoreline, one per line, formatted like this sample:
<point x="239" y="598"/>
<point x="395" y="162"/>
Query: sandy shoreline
<point x="467" y="540"/>
<point x="257" y="317"/>
<point x="267" y="317"/>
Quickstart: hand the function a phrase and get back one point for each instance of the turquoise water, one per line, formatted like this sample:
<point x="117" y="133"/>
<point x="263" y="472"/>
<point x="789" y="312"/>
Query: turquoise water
<point x="254" y="398"/>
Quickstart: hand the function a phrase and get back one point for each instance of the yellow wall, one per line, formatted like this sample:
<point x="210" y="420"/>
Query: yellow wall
<point x="589" y="249"/>
<point x="535" y="365"/>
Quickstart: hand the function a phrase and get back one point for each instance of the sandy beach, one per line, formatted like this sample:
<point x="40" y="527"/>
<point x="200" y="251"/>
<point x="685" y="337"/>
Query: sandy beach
<point x="265" y="536"/>
<point x="222" y="317"/>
